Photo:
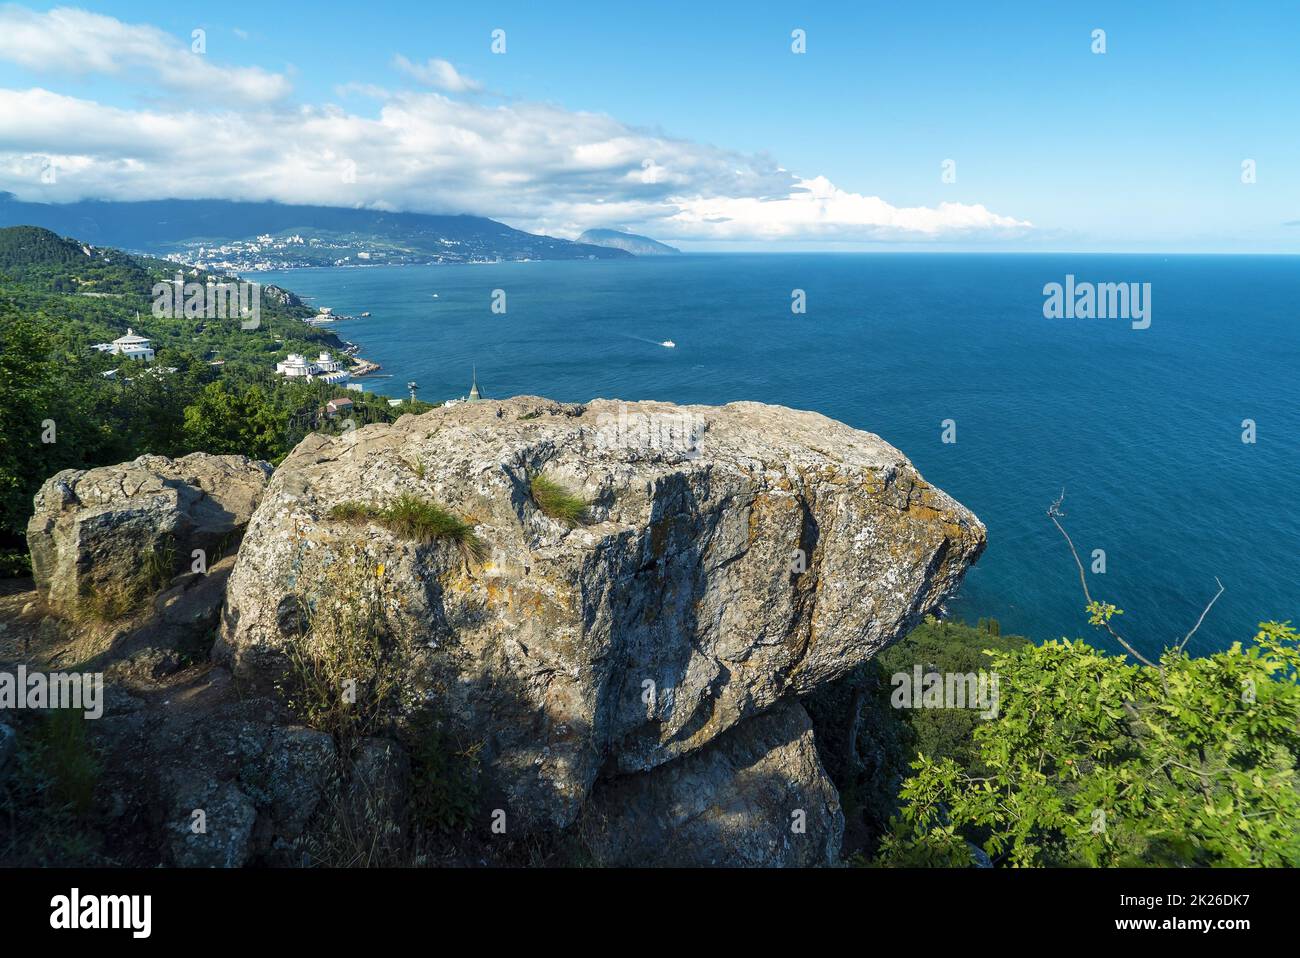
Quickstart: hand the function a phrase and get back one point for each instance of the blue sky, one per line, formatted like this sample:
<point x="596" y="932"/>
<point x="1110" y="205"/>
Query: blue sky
<point x="690" y="121"/>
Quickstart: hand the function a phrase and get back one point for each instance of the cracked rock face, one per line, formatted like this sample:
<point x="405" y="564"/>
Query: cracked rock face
<point x="731" y="558"/>
<point x="93" y="529"/>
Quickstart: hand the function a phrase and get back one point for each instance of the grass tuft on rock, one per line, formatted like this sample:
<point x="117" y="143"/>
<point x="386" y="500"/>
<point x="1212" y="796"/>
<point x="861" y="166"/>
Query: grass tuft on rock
<point x="353" y="512"/>
<point x="557" y="501"/>
<point x="411" y="517"/>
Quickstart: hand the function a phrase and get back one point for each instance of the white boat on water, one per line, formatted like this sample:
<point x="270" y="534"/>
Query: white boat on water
<point x="668" y="344"/>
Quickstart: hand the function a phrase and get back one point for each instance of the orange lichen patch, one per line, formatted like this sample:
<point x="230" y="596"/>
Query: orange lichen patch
<point x="924" y="513"/>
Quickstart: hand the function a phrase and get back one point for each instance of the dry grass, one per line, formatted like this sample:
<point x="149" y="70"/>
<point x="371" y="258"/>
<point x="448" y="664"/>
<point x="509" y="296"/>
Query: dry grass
<point x="343" y="673"/>
<point x="111" y="603"/>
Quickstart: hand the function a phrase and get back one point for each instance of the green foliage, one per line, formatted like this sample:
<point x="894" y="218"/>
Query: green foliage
<point x="40" y="259"/>
<point x="947" y="648"/>
<point x="414" y="518"/>
<point x="557" y="501"/>
<point x="1095" y="761"/>
<point x="15" y="563"/>
<point x="867" y="746"/>
<point x="58" y="298"/>
<point x="226" y="421"/>
<point x="47" y="794"/>
<point x="445" y="784"/>
<point x="1100" y="613"/>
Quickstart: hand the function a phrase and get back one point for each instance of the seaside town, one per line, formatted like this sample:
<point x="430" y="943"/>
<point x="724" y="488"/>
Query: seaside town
<point x="295" y="251"/>
<point x="325" y="368"/>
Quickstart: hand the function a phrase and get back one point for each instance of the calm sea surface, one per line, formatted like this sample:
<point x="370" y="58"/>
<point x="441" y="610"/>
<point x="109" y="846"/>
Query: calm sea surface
<point x="1143" y="428"/>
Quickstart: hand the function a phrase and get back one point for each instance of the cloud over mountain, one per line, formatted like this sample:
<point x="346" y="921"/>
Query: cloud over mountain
<point x="536" y="166"/>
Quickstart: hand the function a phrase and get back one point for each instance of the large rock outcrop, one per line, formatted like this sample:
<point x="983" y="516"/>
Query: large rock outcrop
<point x="113" y="535"/>
<point x="732" y="559"/>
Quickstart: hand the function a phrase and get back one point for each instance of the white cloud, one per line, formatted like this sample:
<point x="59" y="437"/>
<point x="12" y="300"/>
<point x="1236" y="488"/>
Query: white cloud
<point x="816" y="208"/>
<point x="68" y="40"/>
<point x="438" y="74"/>
<point x="535" y="166"/>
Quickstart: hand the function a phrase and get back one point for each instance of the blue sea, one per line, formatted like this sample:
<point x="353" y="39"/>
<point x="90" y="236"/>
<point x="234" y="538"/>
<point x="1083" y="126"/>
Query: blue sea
<point x="1142" y="428"/>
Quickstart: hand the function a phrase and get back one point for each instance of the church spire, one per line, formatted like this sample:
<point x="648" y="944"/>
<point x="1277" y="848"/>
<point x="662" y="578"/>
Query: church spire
<point x="474" y="394"/>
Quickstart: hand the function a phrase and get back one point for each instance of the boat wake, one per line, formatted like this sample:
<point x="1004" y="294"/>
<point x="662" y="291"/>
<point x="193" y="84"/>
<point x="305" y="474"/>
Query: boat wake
<point x="666" y="343"/>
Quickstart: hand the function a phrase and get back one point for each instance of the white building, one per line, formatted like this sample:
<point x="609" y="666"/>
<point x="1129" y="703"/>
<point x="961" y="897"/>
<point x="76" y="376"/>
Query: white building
<point x="131" y="346"/>
<point x="323" y="369"/>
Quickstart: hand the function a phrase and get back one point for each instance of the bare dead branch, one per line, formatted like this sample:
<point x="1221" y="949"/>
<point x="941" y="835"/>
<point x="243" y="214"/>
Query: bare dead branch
<point x="1183" y="644"/>
<point x="1055" y="513"/>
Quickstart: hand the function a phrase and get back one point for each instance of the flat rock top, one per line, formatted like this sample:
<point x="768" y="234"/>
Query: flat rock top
<point x="740" y="429"/>
<point x="599" y="445"/>
<point x="213" y="475"/>
<point x="752" y="435"/>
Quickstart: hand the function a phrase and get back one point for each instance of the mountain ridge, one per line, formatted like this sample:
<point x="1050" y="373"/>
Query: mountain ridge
<point x="633" y="243"/>
<point x="264" y="235"/>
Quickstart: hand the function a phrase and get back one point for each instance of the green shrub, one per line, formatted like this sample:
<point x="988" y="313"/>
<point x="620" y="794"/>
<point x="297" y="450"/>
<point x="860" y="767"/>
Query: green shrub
<point x="15" y="564"/>
<point x="445" y="778"/>
<point x="47" y="794"/>
<point x="867" y="746"/>
<point x="1092" y="760"/>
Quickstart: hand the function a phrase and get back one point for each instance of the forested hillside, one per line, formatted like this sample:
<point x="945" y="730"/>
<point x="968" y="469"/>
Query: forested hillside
<point x="211" y="386"/>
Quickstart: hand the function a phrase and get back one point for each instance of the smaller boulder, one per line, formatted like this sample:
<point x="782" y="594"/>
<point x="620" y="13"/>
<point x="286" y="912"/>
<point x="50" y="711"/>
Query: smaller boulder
<point x="103" y="540"/>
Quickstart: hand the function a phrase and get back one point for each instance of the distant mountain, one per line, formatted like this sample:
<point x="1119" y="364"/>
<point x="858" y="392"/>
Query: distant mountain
<point x="629" y="242"/>
<point x="224" y="234"/>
